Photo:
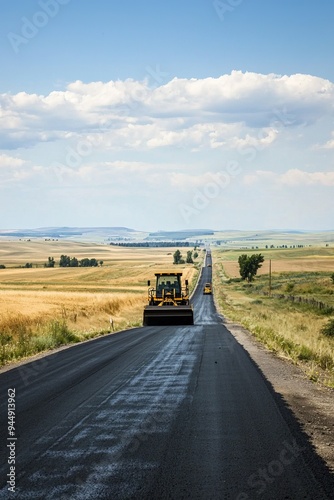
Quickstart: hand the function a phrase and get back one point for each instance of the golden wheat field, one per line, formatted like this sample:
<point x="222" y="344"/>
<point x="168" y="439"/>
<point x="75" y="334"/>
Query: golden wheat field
<point x="82" y="298"/>
<point x="39" y="290"/>
<point x="296" y="260"/>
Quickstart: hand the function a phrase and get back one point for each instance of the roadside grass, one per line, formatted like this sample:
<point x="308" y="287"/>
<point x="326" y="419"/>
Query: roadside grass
<point x="300" y="332"/>
<point x="77" y="318"/>
<point x="60" y="306"/>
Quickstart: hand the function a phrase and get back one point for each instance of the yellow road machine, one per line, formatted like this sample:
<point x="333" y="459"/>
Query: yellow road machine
<point x="207" y="290"/>
<point x="168" y="301"/>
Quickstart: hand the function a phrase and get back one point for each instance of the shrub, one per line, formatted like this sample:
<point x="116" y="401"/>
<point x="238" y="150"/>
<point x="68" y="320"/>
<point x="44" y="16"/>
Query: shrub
<point x="289" y="287"/>
<point x="328" y="329"/>
<point x="305" y="353"/>
<point x="326" y="362"/>
<point x="61" y="334"/>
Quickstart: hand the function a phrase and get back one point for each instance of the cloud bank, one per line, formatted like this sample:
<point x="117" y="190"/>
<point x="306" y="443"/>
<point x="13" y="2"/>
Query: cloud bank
<point x="136" y="142"/>
<point x="210" y="112"/>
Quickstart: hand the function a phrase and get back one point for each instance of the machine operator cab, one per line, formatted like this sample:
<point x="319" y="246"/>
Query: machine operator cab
<point x="168" y="284"/>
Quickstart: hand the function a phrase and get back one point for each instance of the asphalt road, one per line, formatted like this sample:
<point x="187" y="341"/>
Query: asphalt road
<point x="155" y="413"/>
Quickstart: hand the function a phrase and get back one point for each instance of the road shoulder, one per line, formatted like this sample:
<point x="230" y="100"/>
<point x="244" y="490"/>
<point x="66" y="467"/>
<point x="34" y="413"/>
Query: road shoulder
<point x="312" y="404"/>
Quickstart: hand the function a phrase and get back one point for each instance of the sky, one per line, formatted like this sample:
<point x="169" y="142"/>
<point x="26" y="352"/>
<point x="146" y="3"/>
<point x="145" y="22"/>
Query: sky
<point x="158" y="115"/>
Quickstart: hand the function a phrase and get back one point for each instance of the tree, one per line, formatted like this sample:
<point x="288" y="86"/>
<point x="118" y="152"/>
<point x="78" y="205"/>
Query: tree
<point x="178" y="257"/>
<point x="2" y="266"/>
<point x="195" y="255"/>
<point x="50" y="262"/>
<point x="248" y="266"/>
<point x="28" y="265"/>
<point x="88" y="262"/>
<point x="332" y="277"/>
<point x="189" y="259"/>
<point x="93" y="262"/>
<point x="64" y="261"/>
<point x="74" y="262"/>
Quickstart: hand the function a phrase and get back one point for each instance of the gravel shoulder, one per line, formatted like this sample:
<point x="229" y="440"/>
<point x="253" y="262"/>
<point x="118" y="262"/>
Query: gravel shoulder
<point x="311" y="403"/>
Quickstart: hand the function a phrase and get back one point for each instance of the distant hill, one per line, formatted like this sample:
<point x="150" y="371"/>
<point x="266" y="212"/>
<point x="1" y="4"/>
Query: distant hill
<point x="106" y="233"/>
<point x="180" y="235"/>
<point x="66" y="232"/>
<point x="225" y="238"/>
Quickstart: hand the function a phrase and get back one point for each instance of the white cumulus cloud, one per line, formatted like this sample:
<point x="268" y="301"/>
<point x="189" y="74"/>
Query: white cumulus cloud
<point x="292" y="177"/>
<point x="182" y="111"/>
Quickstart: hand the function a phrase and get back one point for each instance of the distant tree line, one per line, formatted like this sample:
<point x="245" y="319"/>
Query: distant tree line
<point x="26" y="266"/>
<point x="152" y="244"/>
<point x="67" y="261"/>
<point x="227" y="242"/>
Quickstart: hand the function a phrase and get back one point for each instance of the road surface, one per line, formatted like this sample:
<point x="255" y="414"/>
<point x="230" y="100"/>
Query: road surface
<point x="174" y="412"/>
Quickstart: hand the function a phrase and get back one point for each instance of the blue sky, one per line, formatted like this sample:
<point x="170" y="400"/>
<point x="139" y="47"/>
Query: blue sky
<point x="167" y="115"/>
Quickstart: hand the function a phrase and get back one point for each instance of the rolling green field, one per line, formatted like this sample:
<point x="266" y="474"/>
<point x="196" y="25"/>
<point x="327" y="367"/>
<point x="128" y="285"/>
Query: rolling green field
<point x="288" y="313"/>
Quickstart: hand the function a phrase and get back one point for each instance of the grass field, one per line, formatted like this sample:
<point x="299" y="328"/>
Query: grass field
<point x="288" y="321"/>
<point x="41" y="308"/>
<point x="283" y="260"/>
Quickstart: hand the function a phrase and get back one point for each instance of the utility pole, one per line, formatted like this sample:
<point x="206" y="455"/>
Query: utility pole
<point x="269" y="277"/>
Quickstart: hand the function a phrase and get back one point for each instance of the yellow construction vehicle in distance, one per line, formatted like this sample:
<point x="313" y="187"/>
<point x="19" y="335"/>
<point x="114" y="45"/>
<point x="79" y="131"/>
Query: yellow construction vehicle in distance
<point x="168" y="301"/>
<point x="207" y="290"/>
